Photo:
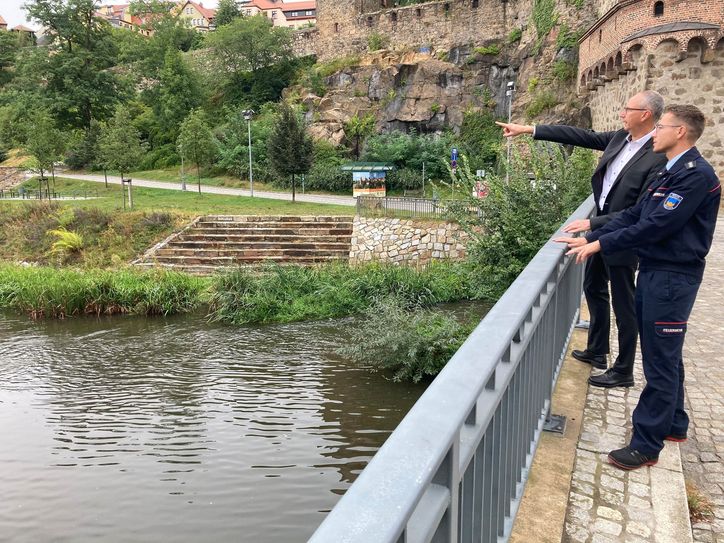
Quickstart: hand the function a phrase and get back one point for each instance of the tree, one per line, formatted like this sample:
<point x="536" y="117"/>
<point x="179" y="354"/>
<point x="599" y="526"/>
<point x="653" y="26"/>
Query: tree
<point x="291" y="150"/>
<point x="76" y="76"/>
<point x="226" y="12"/>
<point x="357" y="129"/>
<point x="196" y="142"/>
<point x="44" y="143"/>
<point x="178" y="93"/>
<point x="120" y="143"/>
<point x="247" y="50"/>
<point x="8" y="50"/>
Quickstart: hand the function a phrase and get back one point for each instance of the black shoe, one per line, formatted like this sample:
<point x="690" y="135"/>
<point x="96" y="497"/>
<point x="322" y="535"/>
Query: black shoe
<point x="611" y="379"/>
<point x="596" y="360"/>
<point x="678" y="438"/>
<point x="628" y="459"/>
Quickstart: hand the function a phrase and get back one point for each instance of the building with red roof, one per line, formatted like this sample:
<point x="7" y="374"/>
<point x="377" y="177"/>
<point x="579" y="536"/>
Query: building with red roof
<point x="288" y="14"/>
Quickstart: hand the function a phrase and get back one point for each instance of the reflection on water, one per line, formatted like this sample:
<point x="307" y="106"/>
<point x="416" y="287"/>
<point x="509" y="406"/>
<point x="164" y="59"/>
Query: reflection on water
<point x="174" y="430"/>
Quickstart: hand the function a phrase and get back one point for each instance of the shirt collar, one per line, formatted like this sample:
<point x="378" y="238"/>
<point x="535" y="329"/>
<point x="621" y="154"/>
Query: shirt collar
<point x="642" y="140"/>
<point x="670" y="163"/>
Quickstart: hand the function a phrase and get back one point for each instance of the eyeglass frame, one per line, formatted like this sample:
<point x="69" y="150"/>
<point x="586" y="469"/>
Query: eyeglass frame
<point x="627" y="109"/>
<point x="659" y="126"/>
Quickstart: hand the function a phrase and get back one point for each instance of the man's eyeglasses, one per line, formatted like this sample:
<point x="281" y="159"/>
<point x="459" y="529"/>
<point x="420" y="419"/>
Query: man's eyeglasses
<point x="660" y="126"/>
<point x="627" y="109"/>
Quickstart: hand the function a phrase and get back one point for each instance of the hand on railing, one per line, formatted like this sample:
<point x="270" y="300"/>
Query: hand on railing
<point x="580" y="225"/>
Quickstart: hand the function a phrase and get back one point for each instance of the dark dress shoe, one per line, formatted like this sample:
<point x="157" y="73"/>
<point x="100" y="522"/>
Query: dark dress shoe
<point x="596" y="360"/>
<point x="628" y="459"/>
<point x="611" y="379"/>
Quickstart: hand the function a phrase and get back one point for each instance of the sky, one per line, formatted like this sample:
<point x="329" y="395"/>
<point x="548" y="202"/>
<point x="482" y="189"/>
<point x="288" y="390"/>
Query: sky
<point x="12" y="12"/>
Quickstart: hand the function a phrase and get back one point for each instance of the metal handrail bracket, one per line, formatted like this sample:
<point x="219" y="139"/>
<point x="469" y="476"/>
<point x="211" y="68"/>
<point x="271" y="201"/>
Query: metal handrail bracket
<point x="455" y="468"/>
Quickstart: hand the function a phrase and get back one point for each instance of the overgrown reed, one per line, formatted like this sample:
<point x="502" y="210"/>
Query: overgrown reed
<point x="292" y="293"/>
<point x="57" y="293"/>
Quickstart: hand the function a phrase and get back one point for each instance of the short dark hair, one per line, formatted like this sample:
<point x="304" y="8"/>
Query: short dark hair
<point x="691" y="116"/>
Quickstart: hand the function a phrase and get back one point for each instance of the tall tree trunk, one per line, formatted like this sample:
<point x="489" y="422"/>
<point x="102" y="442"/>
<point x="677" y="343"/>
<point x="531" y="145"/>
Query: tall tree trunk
<point x="294" y="189"/>
<point x="105" y="176"/>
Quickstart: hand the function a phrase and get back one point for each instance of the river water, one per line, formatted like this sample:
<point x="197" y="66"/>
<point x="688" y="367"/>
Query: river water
<point x="174" y="430"/>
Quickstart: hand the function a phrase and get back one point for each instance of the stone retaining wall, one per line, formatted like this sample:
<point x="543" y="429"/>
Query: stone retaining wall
<point x="405" y="241"/>
<point x="11" y="177"/>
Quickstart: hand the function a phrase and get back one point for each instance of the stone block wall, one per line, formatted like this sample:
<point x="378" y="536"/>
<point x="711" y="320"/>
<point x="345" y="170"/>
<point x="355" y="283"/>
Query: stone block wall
<point x="405" y="241"/>
<point x="344" y="26"/>
<point x="694" y="78"/>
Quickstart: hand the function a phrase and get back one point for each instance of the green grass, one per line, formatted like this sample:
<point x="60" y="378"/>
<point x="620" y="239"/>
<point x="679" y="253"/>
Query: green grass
<point x="189" y="202"/>
<point x="292" y="293"/>
<point x="51" y="293"/>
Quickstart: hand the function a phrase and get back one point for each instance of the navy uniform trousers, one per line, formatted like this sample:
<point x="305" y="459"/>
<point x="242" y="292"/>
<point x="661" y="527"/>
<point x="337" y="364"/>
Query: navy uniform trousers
<point x="663" y="304"/>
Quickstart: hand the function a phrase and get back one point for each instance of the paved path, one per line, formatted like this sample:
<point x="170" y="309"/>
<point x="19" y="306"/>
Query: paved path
<point x="191" y="187"/>
<point x="607" y="505"/>
<point x="703" y="453"/>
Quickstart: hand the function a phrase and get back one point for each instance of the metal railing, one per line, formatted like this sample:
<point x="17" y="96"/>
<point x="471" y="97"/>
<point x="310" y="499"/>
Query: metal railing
<point x="35" y="194"/>
<point x="393" y="206"/>
<point x="455" y="468"/>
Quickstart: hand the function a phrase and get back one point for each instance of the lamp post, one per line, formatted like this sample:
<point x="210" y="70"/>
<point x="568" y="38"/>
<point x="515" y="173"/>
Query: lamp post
<point x="510" y="89"/>
<point x="248" y="114"/>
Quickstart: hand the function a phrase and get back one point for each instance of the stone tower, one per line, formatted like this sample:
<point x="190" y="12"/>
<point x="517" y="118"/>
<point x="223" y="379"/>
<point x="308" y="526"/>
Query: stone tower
<point x="675" y="47"/>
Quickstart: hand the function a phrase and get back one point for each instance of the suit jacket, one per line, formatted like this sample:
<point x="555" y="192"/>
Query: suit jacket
<point x="629" y="186"/>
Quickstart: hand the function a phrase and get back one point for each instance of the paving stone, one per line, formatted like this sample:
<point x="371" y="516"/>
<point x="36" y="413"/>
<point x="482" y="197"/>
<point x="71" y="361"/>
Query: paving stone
<point x="603" y="526"/>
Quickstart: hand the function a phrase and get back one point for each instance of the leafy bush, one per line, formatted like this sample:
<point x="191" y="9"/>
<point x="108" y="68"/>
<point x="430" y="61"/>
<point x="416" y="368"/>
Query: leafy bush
<point x="328" y="177"/>
<point x="480" y="138"/>
<point x="515" y="35"/>
<point x="377" y="41"/>
<point x="568" y="38"/>
<point x="491" y="49"/>
<point x="404" y="179"/>
<point x="160" y="157"/>
<point x="326" y="69"/>
<point x="414" y="345"/>
<point x="519" y="215"/>
<point x="563" y="70"/>
<point x="541" y="102"/>
<point x="410" y="150"/>
<point x="67" y="242"/>
<point x="544" y="16"/>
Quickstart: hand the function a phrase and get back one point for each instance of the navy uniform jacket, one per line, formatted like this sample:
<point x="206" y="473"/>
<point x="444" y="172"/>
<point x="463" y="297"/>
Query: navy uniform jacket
<point x="672" y="227"/>
<point x="631" y="183"/>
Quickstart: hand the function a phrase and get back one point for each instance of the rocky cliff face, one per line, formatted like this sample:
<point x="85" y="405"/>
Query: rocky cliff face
<point x="429" y="91"/>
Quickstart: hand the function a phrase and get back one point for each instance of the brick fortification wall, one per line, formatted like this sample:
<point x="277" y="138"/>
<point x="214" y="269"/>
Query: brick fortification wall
<point x="675" y="47"/>
<point x="344" y="26"/>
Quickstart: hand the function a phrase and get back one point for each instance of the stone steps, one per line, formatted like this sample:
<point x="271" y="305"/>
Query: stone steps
<point x="223" y="241"/>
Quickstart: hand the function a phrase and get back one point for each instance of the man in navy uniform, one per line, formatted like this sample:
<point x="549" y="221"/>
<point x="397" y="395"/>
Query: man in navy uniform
<point x="626" y="168"/>
<point x="671" y="229"/>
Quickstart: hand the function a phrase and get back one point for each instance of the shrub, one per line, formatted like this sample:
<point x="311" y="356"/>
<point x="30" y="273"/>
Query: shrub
<point x="515" y="35"/>
<point x="377" y="41"/>
<point x="564" y="71"/>
<point x="413" y="345"/>
<point x="328" y="177"/>
<point x="541" y="102"/>
<point x="160" y="157"/>
<point x="491" y="49"/>
<point x="67" y="242"/>
<point x="520" y="214"/>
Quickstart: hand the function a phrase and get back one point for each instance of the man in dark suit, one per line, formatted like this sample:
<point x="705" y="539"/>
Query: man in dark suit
<point x="628" y="165"/>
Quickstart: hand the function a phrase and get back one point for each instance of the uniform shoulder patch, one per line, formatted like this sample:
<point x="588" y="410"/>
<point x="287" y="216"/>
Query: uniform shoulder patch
<point x="672" y="201"/>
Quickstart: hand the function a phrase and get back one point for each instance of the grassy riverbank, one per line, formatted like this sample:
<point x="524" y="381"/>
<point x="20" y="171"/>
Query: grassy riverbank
<point x="276" y="294"/>
<point x="291" y="293"/>
<point x="42" y="292"/>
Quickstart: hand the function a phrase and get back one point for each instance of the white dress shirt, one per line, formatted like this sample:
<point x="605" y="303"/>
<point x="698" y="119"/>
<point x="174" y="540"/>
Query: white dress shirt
<point x="619" y="163"/>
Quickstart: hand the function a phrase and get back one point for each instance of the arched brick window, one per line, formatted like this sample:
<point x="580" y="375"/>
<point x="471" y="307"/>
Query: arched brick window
<point x="583" y="80"/>
<point x="658" y="9"/>
<point x="595" y="73"/>
<point x="619" y="59"/>
<point x="609" y="67"/>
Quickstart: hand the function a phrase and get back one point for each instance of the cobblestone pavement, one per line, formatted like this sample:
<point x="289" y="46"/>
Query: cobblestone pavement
<point x="608" y="505"/>
<point x="703" y="454"/>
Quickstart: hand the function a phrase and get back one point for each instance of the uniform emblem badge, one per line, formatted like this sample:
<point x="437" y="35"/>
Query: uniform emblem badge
<point x="672" y="201"/>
